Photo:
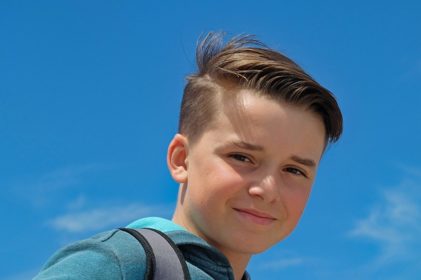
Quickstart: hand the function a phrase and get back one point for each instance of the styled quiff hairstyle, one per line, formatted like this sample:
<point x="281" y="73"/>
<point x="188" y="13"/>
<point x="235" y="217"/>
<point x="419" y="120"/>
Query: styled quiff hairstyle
<point x="245" y="63"/>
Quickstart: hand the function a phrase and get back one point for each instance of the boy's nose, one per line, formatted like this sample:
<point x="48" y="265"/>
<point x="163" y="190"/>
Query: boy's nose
<point x="267" y="189"/>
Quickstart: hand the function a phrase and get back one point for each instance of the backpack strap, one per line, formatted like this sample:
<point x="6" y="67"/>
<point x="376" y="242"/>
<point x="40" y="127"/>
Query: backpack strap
<point x="163" y="258"/>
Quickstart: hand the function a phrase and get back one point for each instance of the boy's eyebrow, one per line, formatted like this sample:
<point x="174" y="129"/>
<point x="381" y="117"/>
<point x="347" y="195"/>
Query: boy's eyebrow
<point x="248" y="146"/>
<point x="304" y="161"/>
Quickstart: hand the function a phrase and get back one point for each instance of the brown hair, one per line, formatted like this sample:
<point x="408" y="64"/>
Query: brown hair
<point x="248" y="64"/>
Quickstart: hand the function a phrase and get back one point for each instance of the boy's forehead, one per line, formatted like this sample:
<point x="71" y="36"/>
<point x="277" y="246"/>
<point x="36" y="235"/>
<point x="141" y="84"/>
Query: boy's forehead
<point x="246" y="107"/>
<point x="245" y="110"/>
<point x="244" y="103"/>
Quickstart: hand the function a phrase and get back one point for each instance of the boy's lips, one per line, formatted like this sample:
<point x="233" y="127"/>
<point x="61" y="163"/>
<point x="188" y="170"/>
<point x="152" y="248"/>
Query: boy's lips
<point x="255" y="216"/>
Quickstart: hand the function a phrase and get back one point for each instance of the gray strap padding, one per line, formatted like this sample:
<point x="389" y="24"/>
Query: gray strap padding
<point x="169" y="262"/>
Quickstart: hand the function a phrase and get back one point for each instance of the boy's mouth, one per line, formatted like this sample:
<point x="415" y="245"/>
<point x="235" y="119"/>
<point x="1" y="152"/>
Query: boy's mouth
<point x="256" y="216"/>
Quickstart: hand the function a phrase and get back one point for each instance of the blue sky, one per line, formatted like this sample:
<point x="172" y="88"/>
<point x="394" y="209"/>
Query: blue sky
<point x="89" y="96"/>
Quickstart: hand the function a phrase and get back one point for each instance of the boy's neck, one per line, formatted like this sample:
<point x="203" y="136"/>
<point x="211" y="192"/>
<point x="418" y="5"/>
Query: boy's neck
<point x="238" y="263"/>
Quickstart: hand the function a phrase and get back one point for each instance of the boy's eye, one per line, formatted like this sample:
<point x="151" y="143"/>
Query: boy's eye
<point x="240" y="157"/>
<point x="295" y="171"/>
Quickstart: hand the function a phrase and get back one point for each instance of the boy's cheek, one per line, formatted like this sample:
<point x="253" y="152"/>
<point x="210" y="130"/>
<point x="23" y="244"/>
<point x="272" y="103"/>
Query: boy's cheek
<point x="296" y="204"/>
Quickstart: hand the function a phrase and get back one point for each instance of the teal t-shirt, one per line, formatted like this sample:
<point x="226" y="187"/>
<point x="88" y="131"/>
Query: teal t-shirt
<point x="116" y="254"/>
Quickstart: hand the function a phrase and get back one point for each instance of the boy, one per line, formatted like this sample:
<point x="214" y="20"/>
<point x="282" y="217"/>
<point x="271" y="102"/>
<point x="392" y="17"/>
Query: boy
<point x="253" y="127"/>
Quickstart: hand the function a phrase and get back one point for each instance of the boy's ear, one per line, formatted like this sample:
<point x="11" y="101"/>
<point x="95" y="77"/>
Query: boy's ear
<point x="177" y="158"/>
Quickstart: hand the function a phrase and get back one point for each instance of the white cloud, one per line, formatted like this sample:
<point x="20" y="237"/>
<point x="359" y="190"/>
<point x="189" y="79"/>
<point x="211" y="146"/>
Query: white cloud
<point x="100" y="218"/>
<point x="63" y="177"/>
<point x="35" y="188"/>
<point x="394" y="224"/>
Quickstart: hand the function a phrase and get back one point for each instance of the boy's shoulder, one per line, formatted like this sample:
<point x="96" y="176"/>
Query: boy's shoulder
<point x="107" y="255"/>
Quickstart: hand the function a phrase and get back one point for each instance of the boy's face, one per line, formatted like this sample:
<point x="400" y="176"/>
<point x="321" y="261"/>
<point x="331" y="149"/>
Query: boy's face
<point x="246" y="180"/>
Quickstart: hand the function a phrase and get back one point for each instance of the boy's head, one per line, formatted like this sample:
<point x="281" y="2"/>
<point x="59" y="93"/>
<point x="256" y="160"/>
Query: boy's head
<point x="253" y="128"/>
